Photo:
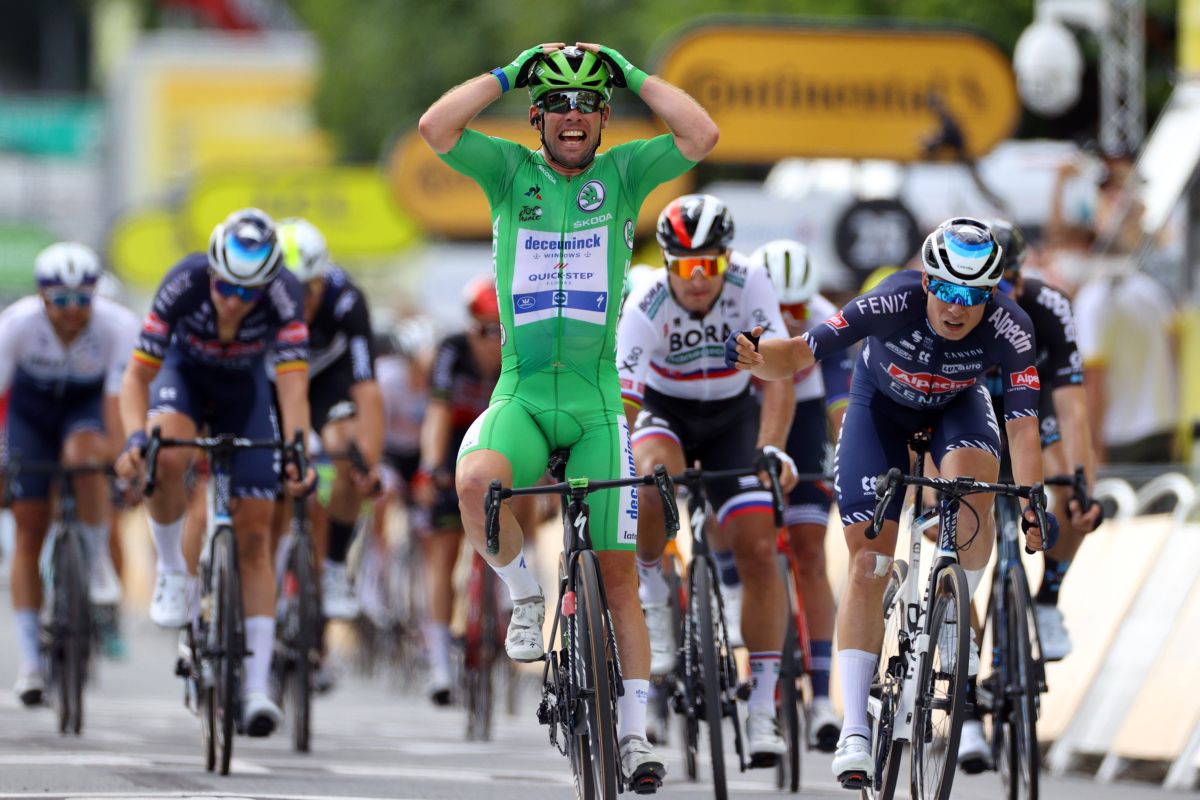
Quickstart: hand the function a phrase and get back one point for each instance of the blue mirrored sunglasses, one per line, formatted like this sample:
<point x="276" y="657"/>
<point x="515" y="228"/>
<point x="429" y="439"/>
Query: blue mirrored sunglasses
<point x="64" y="298"/>
<point x="587" y="101"/>
<point x="959" y="295"/>
<point x="247" y="294"/>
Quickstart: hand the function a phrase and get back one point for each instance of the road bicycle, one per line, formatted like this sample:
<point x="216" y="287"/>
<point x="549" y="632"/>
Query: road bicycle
<point x="66" y="631"/>
<point x="581" y="679"/>
<point x="706" y="681"/>
<point x="483" y="650"/>
<point x="918" y="699"/>
<point x="213" y="646"/>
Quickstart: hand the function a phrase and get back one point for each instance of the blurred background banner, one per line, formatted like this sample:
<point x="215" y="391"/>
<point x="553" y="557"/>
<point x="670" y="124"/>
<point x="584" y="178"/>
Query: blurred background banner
<point x="869" y="92"/>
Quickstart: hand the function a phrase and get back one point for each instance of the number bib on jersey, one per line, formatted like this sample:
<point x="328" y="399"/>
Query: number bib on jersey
<point x="559" y="274"/>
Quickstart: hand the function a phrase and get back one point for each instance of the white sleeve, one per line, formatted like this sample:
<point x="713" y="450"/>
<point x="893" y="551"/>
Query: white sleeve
<point x="8" y="349"/>
<point x="636" y="343"/>
<point x="123" y="330"/>
<point x="762" y="304"/>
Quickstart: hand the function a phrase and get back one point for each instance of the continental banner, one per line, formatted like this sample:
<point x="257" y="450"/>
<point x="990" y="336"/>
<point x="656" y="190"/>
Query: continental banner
<point x="788" y="91"/>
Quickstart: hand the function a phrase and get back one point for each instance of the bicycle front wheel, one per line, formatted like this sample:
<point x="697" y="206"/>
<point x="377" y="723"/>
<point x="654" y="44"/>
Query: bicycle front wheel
<point x="225" y="646"/>
<point x="886" y="691"/>
<point x="73" y="616"/>
<point x="705" y="633"/>
<point x="1020" y="759"/>
<point x="787" y="770"/>
<point x="304" y="632"/>
<point x="942" y="687"/>
<point x="597" y="755"/>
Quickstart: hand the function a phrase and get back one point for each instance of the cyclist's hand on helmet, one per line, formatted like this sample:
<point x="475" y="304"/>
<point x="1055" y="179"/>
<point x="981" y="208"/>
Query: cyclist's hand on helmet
<point x="294" y="485"/>
<point x="741" y="349"/>
<point x="515" y="74"/>
<point x="1086" y="521"/>
<point x="1035" y="538"/>
<point x="128" y="465"/>
<point x="624" y="74"/>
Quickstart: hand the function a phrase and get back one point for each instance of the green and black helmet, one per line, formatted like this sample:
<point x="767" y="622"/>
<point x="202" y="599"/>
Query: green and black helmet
<point x="570" y="68"/>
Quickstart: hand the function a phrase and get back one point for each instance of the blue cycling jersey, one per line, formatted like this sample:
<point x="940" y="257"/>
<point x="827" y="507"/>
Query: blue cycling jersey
<point x="905" y="361"/>
<point x="183" y="323"/>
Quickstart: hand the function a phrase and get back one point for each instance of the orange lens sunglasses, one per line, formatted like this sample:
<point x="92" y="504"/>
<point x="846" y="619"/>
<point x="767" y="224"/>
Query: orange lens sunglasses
<point x="686" y="266"/>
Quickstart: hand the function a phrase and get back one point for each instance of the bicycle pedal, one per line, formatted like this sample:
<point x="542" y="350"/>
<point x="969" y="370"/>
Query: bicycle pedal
<point x="854" y="779"/>
<point x="763" y="761"/>
<point x="182" y="668"/>
<point x="743" y="692"/>
<point x="646" y="781"/>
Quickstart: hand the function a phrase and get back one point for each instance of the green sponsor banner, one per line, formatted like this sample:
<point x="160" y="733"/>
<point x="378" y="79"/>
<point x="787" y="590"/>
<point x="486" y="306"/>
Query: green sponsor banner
<point x="50" y="127"/>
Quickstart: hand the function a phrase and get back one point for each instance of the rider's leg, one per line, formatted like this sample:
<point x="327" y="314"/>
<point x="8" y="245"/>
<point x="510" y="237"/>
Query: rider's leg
<point x="345" y="502"/>
<point x="808" y="547"/>
<point x="31" y="518"/>
<point x="93" y="509"/>
<point x="439" y="550"/>
<point x="252" y="528"/>
<point x="165" y="508"/>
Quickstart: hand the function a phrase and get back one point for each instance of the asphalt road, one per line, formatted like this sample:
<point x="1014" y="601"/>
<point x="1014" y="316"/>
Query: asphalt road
<point x="372" y="738"/>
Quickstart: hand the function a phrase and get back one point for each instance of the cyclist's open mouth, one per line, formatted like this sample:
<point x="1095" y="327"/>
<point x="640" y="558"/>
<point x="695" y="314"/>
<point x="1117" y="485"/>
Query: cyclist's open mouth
<point x="573" y="136"/>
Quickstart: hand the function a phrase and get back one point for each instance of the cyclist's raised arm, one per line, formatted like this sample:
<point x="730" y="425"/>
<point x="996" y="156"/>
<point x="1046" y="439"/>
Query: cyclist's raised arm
<point x="443" y="123"/>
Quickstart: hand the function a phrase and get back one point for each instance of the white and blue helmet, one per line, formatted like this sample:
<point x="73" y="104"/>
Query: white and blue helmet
<point x="964" y="251"/>
<point x="244" y="249"/>
<point x="67" y="264"/>
<point x="791" y="269"/>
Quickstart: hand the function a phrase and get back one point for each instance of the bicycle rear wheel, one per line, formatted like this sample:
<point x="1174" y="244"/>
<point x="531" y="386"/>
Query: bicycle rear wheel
<point x="703" y="642"/>
<point x="73" y="616"/>
<point x="942" y="688"/>
<point x="480" y="652"/>
<point x="225" y="644"/>
<point x="886" y="692"/>
<point x="1020" y="759"/>
<point x="590" y="642"/>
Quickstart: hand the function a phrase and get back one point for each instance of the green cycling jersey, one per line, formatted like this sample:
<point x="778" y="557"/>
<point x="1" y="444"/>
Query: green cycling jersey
<point x="561" y="247"/>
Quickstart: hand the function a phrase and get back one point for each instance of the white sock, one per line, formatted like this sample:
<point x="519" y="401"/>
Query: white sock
<point x="857" y="668"/>
<point x="519" y="580"/>
<point x="168" y="542"/>
<point x="764" y="675"/>
<point x="28" y="639"/>
<point x="260" y="641"/>
<point x="437" y="644"/>
<point x="96" y="537"/>
<point x="631" y="708"/>
<point x="652" y="584"/>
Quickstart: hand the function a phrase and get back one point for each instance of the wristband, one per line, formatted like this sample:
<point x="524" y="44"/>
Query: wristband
<point x="136" y="439"/>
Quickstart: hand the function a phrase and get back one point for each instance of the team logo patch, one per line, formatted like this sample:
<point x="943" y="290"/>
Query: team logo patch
<point x="295" y="332"/>
<point x="1026" y="378"/>
<point x="629" y="233"/>
<point x="927" y="382"/>
<point x="154" y="325"/>
<point x="591" y="196"/>
<point x="837" y="322"/>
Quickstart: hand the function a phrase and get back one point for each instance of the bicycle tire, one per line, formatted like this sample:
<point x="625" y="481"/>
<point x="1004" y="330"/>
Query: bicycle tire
<point x="887" y="752"/>
<point x="592" y="658"/>
<point x="1020" y="759"/>
<point x="205" y="706"/>
<point x="480" y="662"/>
<point x="73" y="625"/>
<point x="225" y="643"/>
<point x="931" y="778"/>
<point x="787" y="769"/>
<point x="704" y="634"/>
<point x="305" y="645"/>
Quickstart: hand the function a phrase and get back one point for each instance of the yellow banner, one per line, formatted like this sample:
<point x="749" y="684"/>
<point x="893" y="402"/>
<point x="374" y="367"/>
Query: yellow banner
<point x="143" y="245"/>
<point x="779" y="91"/>
<point x="1189" y="36"/>
<point x="446" y="202"/>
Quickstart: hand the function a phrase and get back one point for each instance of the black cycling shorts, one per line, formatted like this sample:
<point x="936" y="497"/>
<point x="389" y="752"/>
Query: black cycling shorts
<point x="808" y="503"/>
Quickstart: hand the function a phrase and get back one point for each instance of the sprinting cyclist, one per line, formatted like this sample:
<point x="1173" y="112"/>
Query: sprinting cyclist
<point x="62" y="354"/>
<point x="563" y="219"/>
<point x="685" y="405"/>
<point x="930" y="337"/>
<point x="345" y="402"/>
<point x="465" y="370"/>
<point x="822" y="395"/>
<point x="1066" y="441"/>
<point x="200" y="361"/>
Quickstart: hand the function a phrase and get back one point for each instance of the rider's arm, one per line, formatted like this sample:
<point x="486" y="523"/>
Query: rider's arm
<point x="365" y="391"/>
<point x="694" y="130"/>
<point x="135" y="393"/>
<point x="1071" y="406"/>
<point x="435" y="434"/>
<point x="291" y="385"/>
<point x="8" y="350"/>
<point x="1025" y="447"/>
<point x="778" y="408"/>
<point x="291" y="357"/>
<point x="443" y="123"/>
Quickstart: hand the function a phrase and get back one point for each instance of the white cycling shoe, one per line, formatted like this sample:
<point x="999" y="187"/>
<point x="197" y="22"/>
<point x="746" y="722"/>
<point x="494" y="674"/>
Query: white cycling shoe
<point x="260" y="715"/>
<point x="1056" y="642"/>
<point x="948" y="633"/>
<point x="337" y="598"/>
<point x="30" y="687"/>
<point x="853" y="765"/>
<point x="104" y="587"/>
<point x="523" y="642"/>
<point x="169" y="605"/>
<point x="662" y="638"/>
<point x="763" y="738"/>
<point x="974" y="754"/>
<point x="825" y="724"/>
<point x="731" y="599"/>
<point x="643" y="769"/>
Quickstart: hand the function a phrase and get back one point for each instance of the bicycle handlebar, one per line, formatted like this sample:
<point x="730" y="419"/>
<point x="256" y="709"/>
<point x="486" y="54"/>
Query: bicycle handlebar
<point x="16" y="467"/>
<point x="221" y="442"/>
<point x="496" y="494"/>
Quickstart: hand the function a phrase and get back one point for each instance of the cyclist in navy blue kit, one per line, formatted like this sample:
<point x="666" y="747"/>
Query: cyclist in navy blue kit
<point x="929" y="338"/>
<point x="200" y="361"/>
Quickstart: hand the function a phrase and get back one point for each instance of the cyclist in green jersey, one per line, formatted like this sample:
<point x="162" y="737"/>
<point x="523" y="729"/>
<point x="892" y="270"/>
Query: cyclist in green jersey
<point x="563" y="219"/>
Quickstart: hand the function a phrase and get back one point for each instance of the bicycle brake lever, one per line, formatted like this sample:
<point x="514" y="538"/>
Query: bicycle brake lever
<point x="771" y="466"/>
<point x="666" y="491"/>
<point x="150" y="455"/>
<point x="491" y="517"/>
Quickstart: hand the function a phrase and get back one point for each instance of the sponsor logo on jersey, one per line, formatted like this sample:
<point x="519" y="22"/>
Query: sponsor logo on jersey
<point x="345" y="303"/>
<point x="882" y="304"/>
<point x="696" y="336"/>
<point x="628" y="231"/>
<point x="1026" y="378"/>
<point x="837" y="322"/>
<point x="154" y="325"/>
<point x="590" y="221"/>
<point x="631" y="360"/>
<point x="566" y="244"/>
<point x="530" y="213"/>
<point x="897" y="349"/>
<point x="591" y="196"/>
<point x="1008" y="328"/>
<point x="170" y="291"/>
<point x="969" y="366"/>
<point x="1052" y="299"/>
<point x="295" y="332"/>
<point x="653" y="301"/>
<point x="535" y="192"/>
<point x="926" y="381"/>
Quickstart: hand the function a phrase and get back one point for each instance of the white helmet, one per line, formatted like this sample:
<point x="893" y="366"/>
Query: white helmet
<point x="304" y="250"/>
<point x="244" y="249"/>
<point x="67" y="264"/>
<point x="964" y="251"/>
<point x="791" y="268"/>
